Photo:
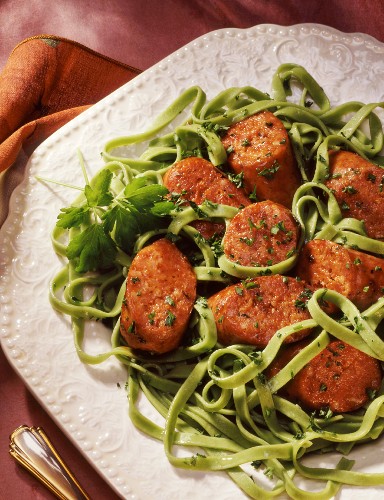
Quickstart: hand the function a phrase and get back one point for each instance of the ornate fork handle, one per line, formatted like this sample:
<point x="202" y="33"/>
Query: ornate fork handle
<point x="31" y="447"/>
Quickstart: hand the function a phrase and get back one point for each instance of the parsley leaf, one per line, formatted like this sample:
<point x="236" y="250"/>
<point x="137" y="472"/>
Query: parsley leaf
<point x="162" y="208"/>
<point x="144" y="197"/>
<point x="124" y="223"/>
<point x="98" y="194"/>
<point x="72" y="217"/>
<point x="136" y="183"/>
<point x="93" y="248"/>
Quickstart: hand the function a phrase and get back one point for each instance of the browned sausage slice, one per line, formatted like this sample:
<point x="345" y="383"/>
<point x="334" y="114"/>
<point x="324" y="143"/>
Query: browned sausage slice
<point x="340" y="377"/>
<point x="356" y="275"/>
<point x="261" y="234"/>
<point x="358" y="186"/>
<point x="197" y="180"/>
<point x="251" y="312"/>
<point x="259" y="146"/>
<point x="160" y="293"/>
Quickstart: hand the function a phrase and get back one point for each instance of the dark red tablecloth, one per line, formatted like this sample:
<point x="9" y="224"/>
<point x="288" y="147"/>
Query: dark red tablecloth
<point x="138" y="34"/>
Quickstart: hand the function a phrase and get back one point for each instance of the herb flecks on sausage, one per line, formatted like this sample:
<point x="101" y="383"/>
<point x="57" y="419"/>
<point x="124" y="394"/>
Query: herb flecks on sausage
<point x="252" y="311"/>
<point x="160" y="293"/>
<point x="340" y="378"/>
<point x="197" y="180"/>
<point x="357" y="184"/>
<point x="261" y="234"/>
<point x="259" y="147"/>
<point x="356" y="275"/>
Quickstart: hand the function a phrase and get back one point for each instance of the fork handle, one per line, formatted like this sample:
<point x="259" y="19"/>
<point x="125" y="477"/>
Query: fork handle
<point x="31" y="447"/>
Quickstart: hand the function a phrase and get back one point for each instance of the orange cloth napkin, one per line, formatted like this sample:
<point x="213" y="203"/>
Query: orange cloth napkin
<point x="46" y="82"/>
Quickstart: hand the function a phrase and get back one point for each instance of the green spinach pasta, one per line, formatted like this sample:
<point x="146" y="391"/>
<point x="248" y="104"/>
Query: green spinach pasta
<point x="230" y="403"/>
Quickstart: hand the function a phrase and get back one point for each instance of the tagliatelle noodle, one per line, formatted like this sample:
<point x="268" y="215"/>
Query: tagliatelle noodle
<point x="213" y="398"/>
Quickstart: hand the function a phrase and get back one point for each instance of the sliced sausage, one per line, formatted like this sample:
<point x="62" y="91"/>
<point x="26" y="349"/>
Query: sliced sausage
<point x="160" y="293"/>
<point x="356" y="275"/>
<point x="252" y="311"/>
<point x="261" y="234"/>
<point x="340" y="377"/>
<point x="358" y="186"/>
<point x="259" y="146"/>
<point x="197" y="180"/>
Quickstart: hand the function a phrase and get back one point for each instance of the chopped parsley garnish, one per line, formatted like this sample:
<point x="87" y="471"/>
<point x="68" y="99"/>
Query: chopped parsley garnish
<point x="237" y="179"/>
<point x="345" y="206"/>
<point x="358" y="325"/>
<point x="238" y="364"/>
<point x="256" y="356"/>
<point x="169" y="300"/>
<point x="151" y="317"/>
<point x="253" y="196"/>
<point x="321" y="159"/>
<point x="371" y="393"/>
<point x="349" y="190"/>
<point x="248" y="285"/>
<point x="313" y="425"/>
<point x="270" y="172"/>
<point x="198" y="210"/>
<point x="170" y="319"/>
<point x="300" y="304"/>
<point x="214" y="127"/>
<point x="291" y="253"/>
<point x="261" y="224"/>
<point x="247" y="241"/>
<point x="279" y="227"/>
<point x="216" y="246"/>
<point x="326" y="413"/>
<point x="256" y="464"/>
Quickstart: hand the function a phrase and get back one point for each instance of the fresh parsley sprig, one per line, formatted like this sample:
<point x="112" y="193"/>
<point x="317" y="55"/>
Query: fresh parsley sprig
<point x="108" y="222"/>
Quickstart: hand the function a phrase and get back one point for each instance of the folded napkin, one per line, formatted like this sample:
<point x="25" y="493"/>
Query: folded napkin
<point x="46" y="82"/>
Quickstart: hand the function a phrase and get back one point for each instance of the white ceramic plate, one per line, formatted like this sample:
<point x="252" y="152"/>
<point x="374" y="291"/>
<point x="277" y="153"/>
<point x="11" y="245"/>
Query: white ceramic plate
<point x="86" y="401"/>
